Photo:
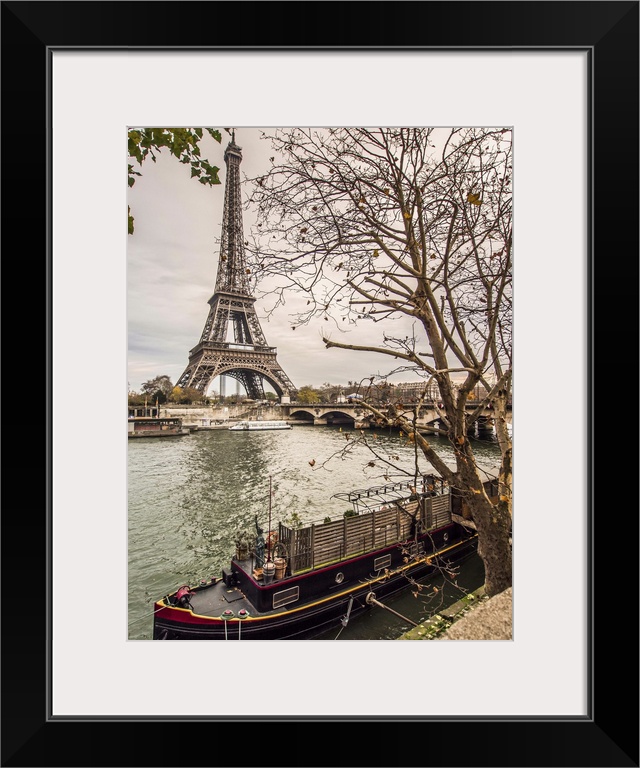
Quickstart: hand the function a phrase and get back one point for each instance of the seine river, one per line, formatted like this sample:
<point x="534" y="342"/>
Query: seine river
<point x="187" y="496"/>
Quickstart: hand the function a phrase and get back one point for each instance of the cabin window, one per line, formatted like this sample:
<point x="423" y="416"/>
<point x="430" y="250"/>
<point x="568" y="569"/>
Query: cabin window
<point x="381" y="562"/>
<point x="286" y="596"/>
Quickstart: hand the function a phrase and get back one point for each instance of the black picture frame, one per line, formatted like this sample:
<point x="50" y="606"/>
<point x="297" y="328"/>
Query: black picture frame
<point x="608" y="736"/>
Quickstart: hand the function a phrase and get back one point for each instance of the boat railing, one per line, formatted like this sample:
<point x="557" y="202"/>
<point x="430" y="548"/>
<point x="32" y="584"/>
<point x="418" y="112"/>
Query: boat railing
<point x="320" y="544"/>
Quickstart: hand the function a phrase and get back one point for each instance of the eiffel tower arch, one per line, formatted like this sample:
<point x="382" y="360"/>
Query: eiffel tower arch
<point x="232" y="315"/>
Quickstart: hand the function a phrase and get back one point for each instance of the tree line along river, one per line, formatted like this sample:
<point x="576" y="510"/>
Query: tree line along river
<point x="187" y="496"/>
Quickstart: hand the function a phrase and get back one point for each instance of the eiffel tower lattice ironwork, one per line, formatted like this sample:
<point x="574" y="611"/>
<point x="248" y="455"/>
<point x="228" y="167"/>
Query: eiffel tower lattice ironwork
<point x="248" y="358"/>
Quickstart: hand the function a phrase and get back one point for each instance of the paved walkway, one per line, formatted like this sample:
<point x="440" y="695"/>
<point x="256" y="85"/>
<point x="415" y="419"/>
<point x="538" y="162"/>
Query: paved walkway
<point x="489" y="620"/>
<point x="474" y="617"/>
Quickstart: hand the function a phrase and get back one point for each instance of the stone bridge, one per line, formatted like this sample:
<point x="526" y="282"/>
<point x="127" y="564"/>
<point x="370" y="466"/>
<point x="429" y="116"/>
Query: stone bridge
<point x="354" y="415"/>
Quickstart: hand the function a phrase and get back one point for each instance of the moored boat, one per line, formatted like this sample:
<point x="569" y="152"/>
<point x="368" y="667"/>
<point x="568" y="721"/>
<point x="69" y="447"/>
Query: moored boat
<point x="258" y="426"/>
<point x="148" y="426"/>
<point x="309" y="578"/>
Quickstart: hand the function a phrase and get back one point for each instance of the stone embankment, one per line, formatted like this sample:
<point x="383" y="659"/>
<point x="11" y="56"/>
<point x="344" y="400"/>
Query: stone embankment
<point x="475" y="617"/>
<point x="208" y="417"/>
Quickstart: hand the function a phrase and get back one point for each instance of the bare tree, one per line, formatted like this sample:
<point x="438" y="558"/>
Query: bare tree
<point x="376" y="225"/>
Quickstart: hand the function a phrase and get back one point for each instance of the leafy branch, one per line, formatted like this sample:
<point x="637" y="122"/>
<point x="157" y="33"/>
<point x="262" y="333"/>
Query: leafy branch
<point x="182" y="143"/>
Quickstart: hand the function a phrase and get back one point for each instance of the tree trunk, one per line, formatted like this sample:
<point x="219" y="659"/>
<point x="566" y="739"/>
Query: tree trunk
<point x="493" y="523"/>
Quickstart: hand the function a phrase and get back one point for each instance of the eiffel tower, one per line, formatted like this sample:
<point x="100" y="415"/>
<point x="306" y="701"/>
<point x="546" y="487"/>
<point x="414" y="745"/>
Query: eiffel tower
<point x="248" y="358"/>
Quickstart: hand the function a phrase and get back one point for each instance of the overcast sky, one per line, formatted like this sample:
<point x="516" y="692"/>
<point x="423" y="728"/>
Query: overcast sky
<point x="172" y="260"/>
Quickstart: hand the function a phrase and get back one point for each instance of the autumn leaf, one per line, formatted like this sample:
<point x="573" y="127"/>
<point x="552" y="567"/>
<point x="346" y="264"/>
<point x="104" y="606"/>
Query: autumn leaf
<point x="473" y="198"/>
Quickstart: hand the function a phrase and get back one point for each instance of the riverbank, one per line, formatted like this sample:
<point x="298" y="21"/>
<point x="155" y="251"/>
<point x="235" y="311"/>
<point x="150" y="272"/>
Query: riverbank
<point x="475" y="617"/>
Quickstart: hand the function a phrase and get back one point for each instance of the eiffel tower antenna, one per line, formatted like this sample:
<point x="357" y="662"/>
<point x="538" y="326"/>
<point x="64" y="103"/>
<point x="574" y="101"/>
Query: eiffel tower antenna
<point x="247" y="358"/>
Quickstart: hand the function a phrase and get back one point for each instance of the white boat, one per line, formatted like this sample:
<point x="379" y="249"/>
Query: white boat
<point x="258" y="426"/>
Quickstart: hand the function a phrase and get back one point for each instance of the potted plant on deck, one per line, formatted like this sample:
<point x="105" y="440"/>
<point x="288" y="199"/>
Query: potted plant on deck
<point x="244" y="541"/>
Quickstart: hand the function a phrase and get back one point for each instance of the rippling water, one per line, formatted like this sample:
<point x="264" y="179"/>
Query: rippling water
<point x="188" y="495"/>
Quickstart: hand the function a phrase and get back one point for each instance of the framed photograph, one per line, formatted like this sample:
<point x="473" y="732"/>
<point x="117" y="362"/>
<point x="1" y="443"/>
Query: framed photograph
<point x="563" y="77"/>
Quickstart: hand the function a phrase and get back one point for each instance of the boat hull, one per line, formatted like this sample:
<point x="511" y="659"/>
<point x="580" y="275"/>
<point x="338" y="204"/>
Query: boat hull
<point x="325" y="600"/>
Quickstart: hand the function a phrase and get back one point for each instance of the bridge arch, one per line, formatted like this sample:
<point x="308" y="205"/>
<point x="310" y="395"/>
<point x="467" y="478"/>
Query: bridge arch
<point x="329" y="415"/>
<point x="301" y="414"/>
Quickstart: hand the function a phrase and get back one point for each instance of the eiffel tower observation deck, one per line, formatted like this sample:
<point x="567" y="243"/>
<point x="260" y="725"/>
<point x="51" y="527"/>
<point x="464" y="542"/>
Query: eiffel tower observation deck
<point x="232" y="342"/>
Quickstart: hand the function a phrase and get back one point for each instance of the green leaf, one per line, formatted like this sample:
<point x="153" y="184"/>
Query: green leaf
<point x="211" y="171"/>
<point x="215" y="134"/>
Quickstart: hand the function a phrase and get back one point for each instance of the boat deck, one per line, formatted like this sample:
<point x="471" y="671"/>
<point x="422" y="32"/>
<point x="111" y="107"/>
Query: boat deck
<point x="215" y="599"/>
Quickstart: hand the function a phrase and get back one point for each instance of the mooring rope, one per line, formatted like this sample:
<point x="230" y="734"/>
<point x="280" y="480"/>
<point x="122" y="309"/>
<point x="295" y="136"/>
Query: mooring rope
<point x="144" y="616"/>
<point x="345" y="619"/>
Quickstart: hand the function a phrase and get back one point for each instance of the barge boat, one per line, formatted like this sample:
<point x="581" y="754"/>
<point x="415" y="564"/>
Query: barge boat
<point x="148" y="426"/>
<point x="313" y="577"/>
